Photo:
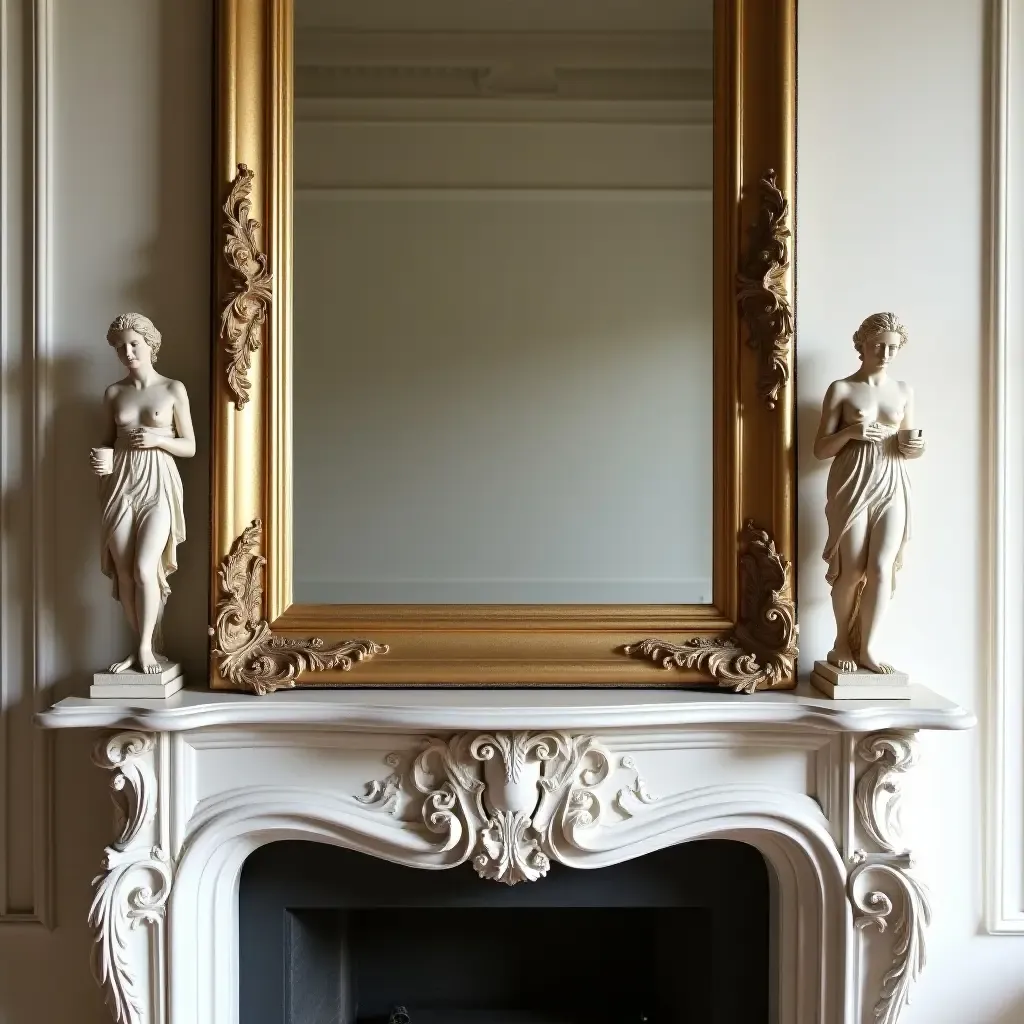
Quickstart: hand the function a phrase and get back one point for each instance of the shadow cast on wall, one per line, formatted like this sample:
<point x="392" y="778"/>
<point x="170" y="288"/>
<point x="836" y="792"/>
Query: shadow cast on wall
<point x="171" y="285"/>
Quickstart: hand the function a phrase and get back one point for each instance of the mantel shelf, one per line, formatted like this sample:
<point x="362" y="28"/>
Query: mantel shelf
<point x="441" y="709"/>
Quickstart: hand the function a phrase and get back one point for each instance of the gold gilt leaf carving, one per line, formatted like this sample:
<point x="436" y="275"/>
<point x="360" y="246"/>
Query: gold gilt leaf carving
<point x="251" y="656"/>
<point x="248" y="302"/>
<point x="761" y="652"/>
<point x="761" y="290"/>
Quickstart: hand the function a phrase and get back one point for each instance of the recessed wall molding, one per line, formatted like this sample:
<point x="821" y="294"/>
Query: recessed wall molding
<point x="26" y="44"/>
<point x="1004" y="747"/>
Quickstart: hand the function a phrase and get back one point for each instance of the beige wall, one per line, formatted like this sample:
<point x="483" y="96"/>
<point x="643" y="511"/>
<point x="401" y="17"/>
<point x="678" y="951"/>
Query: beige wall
<point x="892" y="177"/>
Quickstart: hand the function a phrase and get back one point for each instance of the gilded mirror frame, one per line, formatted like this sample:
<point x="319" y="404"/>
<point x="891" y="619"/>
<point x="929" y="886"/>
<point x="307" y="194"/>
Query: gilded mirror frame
<point x="744" y="640"/>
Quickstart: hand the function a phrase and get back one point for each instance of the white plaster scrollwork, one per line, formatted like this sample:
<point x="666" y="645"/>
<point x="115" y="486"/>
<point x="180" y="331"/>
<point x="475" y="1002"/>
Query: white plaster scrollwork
<point x="382" y="795"/>
<point x="879" y="796"/>
<point x="877" y="801"/>
<point x="503" y="800"/>
<point x="637" y="792"/>
<point x="132" y="785"/>
<point x="136" y="880"/>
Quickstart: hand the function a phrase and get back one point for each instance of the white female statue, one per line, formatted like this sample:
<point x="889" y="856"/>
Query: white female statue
<point x="867" y="429"/>
<point x="143" y="519"/>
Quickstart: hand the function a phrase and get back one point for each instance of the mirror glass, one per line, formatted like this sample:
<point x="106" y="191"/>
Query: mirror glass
<point x="502" y="302"/>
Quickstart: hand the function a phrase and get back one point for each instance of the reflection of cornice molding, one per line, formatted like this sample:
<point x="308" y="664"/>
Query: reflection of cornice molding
<point x="636" y="66"/>
<point x="327" y="47"/>
<point x="455" y="110"/>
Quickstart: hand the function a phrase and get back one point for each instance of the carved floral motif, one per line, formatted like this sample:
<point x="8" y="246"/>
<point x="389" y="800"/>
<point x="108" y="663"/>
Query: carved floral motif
<point x="761" y="290"/>
<point x="509" y="851"/>
<point x="251" y="656"/>
<point x="248" y="302"/>
<point x="762" y="651"/>
<point x="504" y="800"/>
<point x="889" y="756"/>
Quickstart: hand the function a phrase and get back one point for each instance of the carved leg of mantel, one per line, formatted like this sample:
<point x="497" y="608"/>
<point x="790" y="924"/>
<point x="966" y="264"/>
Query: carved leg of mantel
<point x="887" y="757"/>
<point x="133" y="887"/>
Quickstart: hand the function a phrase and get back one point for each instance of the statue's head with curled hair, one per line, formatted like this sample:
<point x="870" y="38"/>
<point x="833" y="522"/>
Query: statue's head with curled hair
<point x="879" y="323"/>
<point x="138" y="323"/>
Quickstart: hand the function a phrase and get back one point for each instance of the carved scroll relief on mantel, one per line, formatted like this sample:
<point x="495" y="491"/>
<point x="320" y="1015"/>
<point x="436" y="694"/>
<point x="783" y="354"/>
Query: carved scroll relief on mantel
<point x="135" y="884"/>
<point x="510" y="801"/>
<point x="877" y="800"/>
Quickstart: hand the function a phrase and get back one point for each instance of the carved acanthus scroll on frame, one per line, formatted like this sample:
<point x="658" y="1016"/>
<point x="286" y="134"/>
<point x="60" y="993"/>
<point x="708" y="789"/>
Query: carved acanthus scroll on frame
<point x="251" y="656"/>
<point x="889" y="755"/>
<point x="761" y="290"/>
<point x="761" y="652"/>
<point x="248" y="302"/>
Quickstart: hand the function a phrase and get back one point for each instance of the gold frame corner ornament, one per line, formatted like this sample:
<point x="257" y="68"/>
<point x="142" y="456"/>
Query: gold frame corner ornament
<point x="251" y="657"/>
<point x="248" y="302"/>
<point x="761" y="653"/>
<point x="761" y="289"/>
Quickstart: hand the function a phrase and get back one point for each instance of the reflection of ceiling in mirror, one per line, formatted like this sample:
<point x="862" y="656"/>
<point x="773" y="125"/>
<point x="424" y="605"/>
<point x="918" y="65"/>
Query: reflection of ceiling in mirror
<point x="506" y="15"/>
<point x="462" y="49"/>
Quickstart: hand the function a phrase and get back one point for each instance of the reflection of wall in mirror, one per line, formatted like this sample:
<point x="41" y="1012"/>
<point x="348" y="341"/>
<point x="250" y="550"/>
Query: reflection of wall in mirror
<point x="502" y="355"/>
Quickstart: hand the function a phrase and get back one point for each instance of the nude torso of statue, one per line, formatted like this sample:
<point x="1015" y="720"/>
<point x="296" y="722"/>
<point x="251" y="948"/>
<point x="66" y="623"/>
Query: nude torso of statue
<point x="152" y="406"/>
<point x="868" y="403"/>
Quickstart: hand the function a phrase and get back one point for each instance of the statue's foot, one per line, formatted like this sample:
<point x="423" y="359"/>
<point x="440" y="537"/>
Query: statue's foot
<point x="843" y="660"/>
<point x="148" y="661"/>
<point x="879" y="667"/>
<point x="122" y="666"/>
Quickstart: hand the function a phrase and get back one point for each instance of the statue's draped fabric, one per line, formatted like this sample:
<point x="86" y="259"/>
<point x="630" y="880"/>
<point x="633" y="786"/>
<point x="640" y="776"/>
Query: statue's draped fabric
<point x="866" y="478"/>
<point x="143" y="481"/>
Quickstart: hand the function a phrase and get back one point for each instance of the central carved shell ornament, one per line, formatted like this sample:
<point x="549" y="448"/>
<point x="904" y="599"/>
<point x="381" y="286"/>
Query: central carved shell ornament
<point x="505" y="800"/>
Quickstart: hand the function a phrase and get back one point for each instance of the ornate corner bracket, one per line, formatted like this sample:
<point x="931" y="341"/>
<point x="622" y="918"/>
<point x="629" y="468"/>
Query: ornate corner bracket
<point x="251" y="656"/>
<point x="135" y="884"/>
<point x="889" y="756"/>
<point x="248" y="302"/>
<point x="509" y="801"/>
<point x="761" y="653"/>
<point x="761" y="290"/>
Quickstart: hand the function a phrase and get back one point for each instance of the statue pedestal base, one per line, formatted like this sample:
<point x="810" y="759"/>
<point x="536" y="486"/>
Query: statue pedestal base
<point x="859" y="685"/>
<point x="133" y="683"/>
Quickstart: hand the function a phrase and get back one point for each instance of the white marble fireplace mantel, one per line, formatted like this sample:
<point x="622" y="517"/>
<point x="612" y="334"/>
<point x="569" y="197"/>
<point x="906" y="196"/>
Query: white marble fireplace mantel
<point x="509" y="781"/>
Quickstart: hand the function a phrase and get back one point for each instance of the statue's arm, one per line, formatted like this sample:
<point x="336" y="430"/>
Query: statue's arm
<point x="183" y="446"/>
<point x="831" y="437"/>
<point x="101" y="458"/>
<point x="908" y="409"/>
<point x="110" y="427"/>
<point x="910" y="447"/>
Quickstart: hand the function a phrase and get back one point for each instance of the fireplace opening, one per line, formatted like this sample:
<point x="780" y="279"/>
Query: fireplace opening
<point x="329" y="936"/>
